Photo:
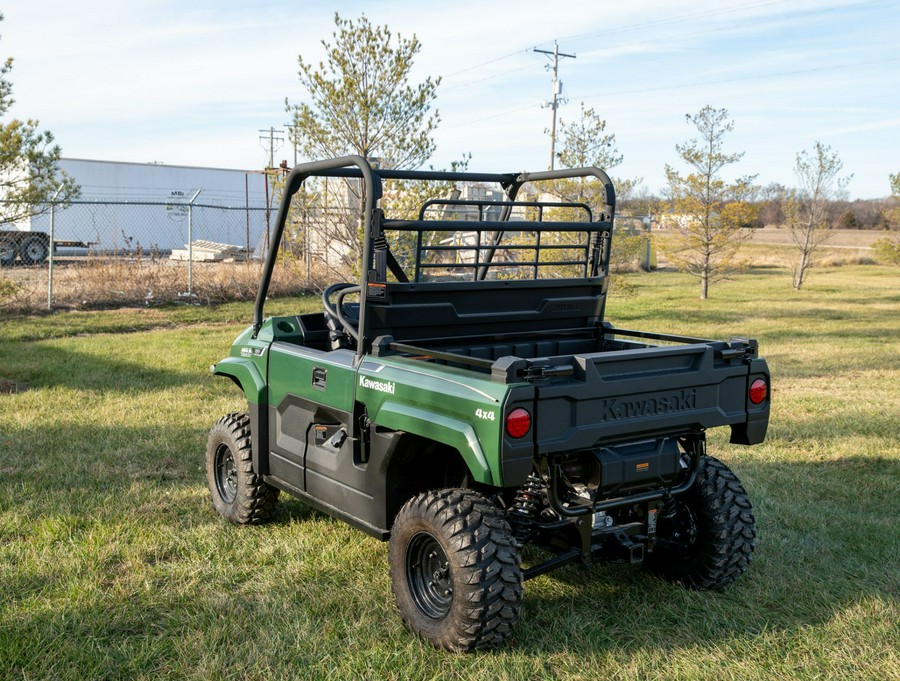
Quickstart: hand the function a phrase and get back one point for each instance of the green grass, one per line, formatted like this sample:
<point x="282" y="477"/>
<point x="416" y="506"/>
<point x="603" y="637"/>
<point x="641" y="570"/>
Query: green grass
<point x="113" y="564"/>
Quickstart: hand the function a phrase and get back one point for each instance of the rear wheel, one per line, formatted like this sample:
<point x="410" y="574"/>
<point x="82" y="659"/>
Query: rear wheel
<point x="705" y="540"/>
<point x="33" y="250"/>
<point x="238" y="494"/>
<point x="455" y="570"/>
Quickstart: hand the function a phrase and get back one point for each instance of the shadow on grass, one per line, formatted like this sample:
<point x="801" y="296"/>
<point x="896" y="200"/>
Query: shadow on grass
<point x="48" y="366"/>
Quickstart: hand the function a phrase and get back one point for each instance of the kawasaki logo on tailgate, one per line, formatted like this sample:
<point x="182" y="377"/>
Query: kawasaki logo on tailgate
<point x="614" y="410"/>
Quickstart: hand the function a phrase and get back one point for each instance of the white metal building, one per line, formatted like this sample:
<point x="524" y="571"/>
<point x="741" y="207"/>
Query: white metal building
<point x="123" y="205"/>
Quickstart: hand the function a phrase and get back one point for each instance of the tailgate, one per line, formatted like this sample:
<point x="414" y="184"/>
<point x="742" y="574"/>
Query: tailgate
<point x="645" y="392"/>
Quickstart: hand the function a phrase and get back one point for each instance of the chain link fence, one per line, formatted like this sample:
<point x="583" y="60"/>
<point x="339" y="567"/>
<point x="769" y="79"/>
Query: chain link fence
<point x="134" y="252"/>
<point x="111" y="253"/>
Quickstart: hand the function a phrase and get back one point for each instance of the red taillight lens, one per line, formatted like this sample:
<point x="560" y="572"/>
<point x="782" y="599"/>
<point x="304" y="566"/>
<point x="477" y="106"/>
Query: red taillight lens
<point x="759" y="390"/>
<point x="518" y="423"/>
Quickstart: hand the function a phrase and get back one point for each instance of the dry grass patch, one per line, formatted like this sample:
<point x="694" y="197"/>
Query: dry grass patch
<point x="111" y="282"/>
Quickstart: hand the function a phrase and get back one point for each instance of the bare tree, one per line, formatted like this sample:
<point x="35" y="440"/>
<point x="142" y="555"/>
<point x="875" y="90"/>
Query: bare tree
<point x="808" y="206"/>
<point x="585" y="142"/>
<point x="710" y="214"/>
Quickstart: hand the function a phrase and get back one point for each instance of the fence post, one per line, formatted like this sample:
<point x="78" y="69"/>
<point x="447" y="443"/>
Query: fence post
<point x="52" y="248"/>
<point x="191" y="243"/>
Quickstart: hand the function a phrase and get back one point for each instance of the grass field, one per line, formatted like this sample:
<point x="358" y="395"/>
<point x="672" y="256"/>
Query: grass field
<point x="113" y="564"/>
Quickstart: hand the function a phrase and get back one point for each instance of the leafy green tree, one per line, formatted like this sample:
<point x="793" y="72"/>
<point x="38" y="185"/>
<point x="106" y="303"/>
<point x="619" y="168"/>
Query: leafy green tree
<point x="361" y="101"/>
<point x="809" y="205"/>
<point x="29" y="176"/>
<point x="584" y="142"/>
<point x="710" y="214"/>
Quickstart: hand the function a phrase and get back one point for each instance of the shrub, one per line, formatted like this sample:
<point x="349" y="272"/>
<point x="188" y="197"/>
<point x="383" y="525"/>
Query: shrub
<point x="9" y="290"/>
<point x="888" y="250"/>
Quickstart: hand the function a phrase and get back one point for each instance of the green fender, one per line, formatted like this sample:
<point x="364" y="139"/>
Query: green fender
<point x="453" y="432"/>
<point x="245" y="373"/>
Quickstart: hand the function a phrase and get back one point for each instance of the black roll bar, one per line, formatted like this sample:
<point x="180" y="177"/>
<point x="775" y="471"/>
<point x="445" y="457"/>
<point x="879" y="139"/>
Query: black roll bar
<point x="293" y="182"/>
<point x="357" y="167"/>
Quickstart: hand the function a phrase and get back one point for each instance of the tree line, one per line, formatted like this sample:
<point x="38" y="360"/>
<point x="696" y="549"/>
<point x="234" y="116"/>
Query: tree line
<point x="360" y="100"/>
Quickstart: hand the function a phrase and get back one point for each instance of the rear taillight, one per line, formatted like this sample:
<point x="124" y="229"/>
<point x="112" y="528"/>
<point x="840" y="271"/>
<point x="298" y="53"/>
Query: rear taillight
<point x="518" y="423"/>
<point x="759" y="391"/>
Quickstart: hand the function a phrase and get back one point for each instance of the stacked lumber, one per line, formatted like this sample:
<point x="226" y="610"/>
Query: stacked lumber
<point x="210" y="251"/>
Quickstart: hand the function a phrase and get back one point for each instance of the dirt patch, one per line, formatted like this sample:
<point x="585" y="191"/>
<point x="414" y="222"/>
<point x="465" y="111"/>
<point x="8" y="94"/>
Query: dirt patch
<point x="861" y="239"/>
<point x="838" y="238"/>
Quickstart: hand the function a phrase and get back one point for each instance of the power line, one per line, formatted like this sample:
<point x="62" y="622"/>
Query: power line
<point x="485" y="63"/>
<point x="487" y="118"/>
<point x="507" y="112"/>
<point x="734" y="79"/>
<point x="673" y="20"/>
<point x="641" y="26"/>
<point x="481" y="80"/>
<point x="609" y="30"/>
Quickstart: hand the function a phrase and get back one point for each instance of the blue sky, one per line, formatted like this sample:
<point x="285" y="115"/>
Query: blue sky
<point x="192" y="83"/>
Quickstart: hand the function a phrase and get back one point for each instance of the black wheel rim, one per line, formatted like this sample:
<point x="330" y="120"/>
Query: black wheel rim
<point x="226" y="473"/>
<point x="683" y="532"/>
<point x="428" y="575"/>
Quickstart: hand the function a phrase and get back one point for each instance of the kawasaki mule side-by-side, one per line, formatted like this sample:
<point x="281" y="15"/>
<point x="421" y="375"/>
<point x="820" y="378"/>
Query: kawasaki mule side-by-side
<point x="466" y="398"/>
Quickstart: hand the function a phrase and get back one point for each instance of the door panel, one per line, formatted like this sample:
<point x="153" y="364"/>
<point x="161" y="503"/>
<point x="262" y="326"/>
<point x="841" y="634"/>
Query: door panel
<point x="314" y="438"/>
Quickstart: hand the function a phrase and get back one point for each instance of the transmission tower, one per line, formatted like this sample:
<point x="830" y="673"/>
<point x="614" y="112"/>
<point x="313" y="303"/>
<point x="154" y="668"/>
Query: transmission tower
<point x="557" y="100"/>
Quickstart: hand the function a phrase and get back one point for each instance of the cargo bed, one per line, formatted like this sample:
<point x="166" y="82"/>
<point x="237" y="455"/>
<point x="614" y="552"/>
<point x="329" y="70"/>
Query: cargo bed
<point x="593" y="385"/>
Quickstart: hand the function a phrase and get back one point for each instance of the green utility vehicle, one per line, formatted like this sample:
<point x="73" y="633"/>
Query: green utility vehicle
<point x="467" y="401"/>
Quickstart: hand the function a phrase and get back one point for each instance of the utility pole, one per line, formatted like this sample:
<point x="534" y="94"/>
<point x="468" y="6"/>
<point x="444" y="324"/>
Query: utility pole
<point x="292" y="128"/>
<point x="269" y="135"/>
<point x="554" y="104"/>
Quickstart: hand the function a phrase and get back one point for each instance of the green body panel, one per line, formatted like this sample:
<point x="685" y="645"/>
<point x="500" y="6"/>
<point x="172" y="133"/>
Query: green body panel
<point x="291" y="372"/>
<point x="439" y="403"/>
<point x="434" y="402"/>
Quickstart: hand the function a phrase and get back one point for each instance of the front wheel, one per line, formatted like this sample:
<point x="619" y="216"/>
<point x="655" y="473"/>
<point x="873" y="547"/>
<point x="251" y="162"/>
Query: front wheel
<point x="7" y="251"/>
<point x="238" y="494"/>
<point x="455" y="570"/>
<point x="705" y="538"/>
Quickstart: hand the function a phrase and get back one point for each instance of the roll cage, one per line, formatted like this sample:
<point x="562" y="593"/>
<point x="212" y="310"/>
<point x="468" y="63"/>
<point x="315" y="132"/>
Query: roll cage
<point x="589" y="257"/>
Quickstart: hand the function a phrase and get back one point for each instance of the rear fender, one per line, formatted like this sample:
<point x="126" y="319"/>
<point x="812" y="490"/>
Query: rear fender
<point x="446" y="430"/>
